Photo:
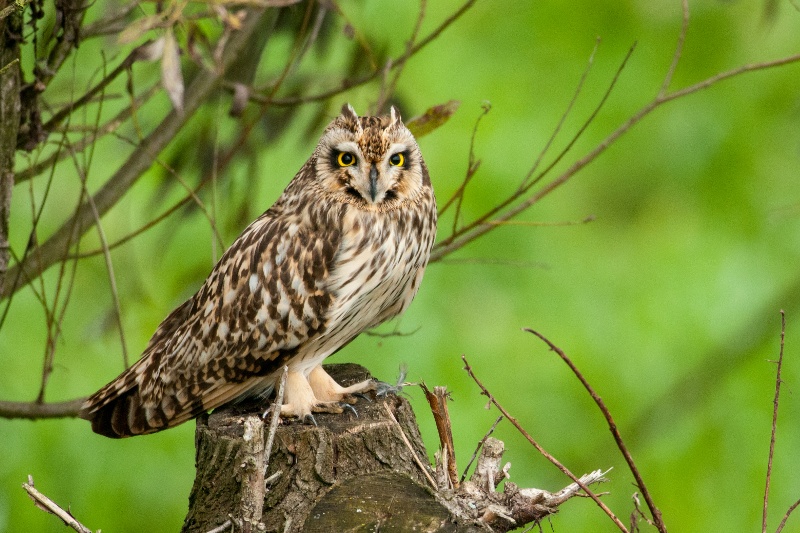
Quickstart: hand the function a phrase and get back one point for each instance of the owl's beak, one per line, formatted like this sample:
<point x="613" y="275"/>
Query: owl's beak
<point x="373" y="182"/>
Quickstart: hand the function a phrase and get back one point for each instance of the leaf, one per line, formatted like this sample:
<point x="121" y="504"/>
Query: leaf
<point x="151" y="50"/>
<point x="433" y="118"/>
<point x="171" y="75"/>
<point x="139" y="27"/>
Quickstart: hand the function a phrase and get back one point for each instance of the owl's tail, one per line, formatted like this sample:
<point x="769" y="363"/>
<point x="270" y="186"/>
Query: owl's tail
<point x="118" y="409"/>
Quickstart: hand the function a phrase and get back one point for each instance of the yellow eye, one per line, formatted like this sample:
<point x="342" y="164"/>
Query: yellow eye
<point x="397" y="160"/>
<point x="346" y="159"/>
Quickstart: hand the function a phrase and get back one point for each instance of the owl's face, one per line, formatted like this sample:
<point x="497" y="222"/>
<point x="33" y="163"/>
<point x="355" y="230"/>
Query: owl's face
<point x="373" y="163"/>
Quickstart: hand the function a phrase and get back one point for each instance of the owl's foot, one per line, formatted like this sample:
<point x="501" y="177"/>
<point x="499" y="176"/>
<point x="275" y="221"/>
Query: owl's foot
<point x="317" y="395"/>
<point x="325" y="389"/>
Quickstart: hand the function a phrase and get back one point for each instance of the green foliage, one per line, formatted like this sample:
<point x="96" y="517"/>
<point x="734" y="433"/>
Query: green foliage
<point x="668" y="300"/>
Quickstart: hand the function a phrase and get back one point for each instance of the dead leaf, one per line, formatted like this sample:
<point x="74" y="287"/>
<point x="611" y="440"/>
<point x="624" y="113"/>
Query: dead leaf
<point x="151" y="50"/>
<point x="139" y="27"/>
<point x="171" y="75"/>
<point x="432" y="118"/>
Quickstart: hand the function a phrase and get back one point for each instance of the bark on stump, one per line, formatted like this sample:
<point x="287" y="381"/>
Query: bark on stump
<point x="349" y="473"/>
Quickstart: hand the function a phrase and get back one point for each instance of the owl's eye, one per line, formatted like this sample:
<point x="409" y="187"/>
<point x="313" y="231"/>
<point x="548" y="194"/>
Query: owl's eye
<point x="397" y="160"/>
<point x="346" y="159"/>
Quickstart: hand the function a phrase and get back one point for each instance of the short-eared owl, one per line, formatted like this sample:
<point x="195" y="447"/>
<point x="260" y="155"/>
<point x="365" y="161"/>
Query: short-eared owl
<point x="342" y="250"/>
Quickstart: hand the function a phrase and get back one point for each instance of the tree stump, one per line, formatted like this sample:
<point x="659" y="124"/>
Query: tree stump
<point x="368" y="472"/>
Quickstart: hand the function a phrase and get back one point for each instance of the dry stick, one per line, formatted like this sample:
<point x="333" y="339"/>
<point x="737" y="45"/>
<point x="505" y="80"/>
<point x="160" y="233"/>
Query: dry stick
<point x="539" y="448"/>
<point x="659" y="523"/>
<point x="46" y="504"/>
<point x="38" y="411"/>
<point x="227" y="524"/>
<point x="478" y="447"/>
<point x="276" y="416"/>
<point x="417" y="460"/>
<point x="438" y="402"/>
<point x="786" y="516"/>
<point x="775" y="403"/>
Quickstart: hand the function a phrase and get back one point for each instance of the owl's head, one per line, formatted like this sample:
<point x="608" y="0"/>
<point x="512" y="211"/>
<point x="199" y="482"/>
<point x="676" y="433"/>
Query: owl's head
<point x="373" y="163"/>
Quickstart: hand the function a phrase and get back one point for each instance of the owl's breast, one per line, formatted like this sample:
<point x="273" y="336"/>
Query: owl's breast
<point x="379" y="265"/>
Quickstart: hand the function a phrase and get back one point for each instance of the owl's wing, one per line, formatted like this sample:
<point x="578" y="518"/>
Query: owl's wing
<point x="265" y="297"/>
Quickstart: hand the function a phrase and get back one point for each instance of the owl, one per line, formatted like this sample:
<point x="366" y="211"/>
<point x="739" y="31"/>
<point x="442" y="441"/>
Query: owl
<point x="342" y="250"/>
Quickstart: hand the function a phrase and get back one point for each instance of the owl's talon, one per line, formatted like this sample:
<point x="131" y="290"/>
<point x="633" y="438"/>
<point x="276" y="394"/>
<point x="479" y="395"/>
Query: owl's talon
<point x="310" y="417"/>
<point x="362" y="396"/>
<point x="350" y="408"/>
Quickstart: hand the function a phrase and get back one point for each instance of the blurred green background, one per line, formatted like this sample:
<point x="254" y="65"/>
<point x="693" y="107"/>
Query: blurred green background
<point x="668" y="301"/>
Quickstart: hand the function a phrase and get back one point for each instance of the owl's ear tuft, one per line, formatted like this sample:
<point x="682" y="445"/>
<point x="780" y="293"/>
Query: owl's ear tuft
<point x="349" y="114"/>
<point x="394" y="115"/>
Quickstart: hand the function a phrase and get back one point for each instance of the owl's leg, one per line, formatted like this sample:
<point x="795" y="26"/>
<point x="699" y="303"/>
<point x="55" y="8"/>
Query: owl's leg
<point x="327" y="390"/>
<point x="300" y="400"/>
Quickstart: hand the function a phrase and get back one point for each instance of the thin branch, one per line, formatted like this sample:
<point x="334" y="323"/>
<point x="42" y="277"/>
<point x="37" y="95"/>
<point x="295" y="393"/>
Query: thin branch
<point x="276" y="416"/>
<point x="786" y="516"/>
<point x="676" y="57"/>
<point x="614" y="431"/>
<point x="417" y="460"/>
<point x="37" y="410"/>
<point x="46" y="504"/>
<point x="526" y="183"/>
<point x="478" y="447"/>
<point x="775" y="404"/>
<point x="348" y="84"/>
<point x="227" y="524"/>
<point x="473" y="165"/>
<point x="70" y="108"/>
<point x="89" y="139"/>
<point x="58" y="245"/>
<point x="541" y="450"/>
<point x="479" y="227"/>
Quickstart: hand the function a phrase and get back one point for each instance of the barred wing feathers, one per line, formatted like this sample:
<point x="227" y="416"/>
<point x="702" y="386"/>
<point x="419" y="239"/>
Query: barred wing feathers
<point x="265" y="297"/>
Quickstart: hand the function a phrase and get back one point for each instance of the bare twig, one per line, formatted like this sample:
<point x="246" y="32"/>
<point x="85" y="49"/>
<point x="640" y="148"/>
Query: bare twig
<point x="55" y="248"/>
<point x="478" y="447"/>
<point x="526" y="182"/>
<point x="637" y="514"/>
<point x="676" y="56"/>
<point x="775" y="404"/>
<point x="90" y="138"/>
<point x="504" y="209"/>
<point x="438" y="402"/>
<point x="512" y="206"/>
<point x="36" y="410"/>
<point x="614" y="431"/>
<point x="276" y="416"/>
<point x="46" y="504"/>
<point x="473" y="165"/>
<point x="794" y="506"/>
<point x="349" y="84"/>
<point x="227" y="524"/>
<point x="417" y="460"/>
<point x="540" y="449"/>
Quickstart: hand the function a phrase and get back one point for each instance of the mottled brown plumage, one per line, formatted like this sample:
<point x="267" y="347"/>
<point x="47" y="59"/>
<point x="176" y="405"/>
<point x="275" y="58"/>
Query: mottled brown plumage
<point x="341" y="251"/>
